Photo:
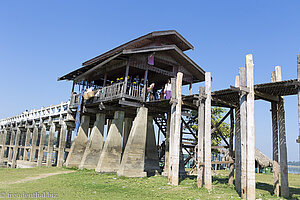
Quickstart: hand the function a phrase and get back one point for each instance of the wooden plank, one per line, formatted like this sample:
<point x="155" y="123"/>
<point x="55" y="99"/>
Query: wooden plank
<point x="207" y="157"/>
<point x="282" y="141"/>
<point x="250" y="130"/>
<point x="200" y="168"/>
<point x="275" y="143"/>
<point x="177" y="132"/>
<point x="243" y="127"/>
<point x="231" y="166"/>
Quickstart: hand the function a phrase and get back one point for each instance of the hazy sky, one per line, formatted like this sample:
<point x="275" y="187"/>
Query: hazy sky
<point x="42" y="40"/>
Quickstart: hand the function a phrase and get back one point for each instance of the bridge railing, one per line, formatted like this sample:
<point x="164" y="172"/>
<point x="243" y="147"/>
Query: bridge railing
<point x="54" y="110"/>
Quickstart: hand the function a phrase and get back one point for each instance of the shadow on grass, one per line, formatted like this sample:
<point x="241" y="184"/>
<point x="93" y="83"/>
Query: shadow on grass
<point x="215" y="179"/>
<point x="269" y="188"/>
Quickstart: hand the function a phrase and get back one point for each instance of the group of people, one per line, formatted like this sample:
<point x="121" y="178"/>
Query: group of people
<point x="164" y="93"/>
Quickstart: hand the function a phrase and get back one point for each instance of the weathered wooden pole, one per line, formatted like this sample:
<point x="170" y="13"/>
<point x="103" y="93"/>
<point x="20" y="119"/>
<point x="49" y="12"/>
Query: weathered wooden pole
<point x="41" y="145"/>
<point x="282" y="141"/>
<point x="12" y="139"/>
<point x="177" y="132"/>
<point x="33" y="143"/>
<point x="243" y="132"/>
<point x="207" y="134"/>
<point x="231" y="166"/>
<point x="50" y="145"/>
<point x="201" y="123"/>
<point x="15" y="148"/>
<point x="298" y="78"/>
<point x="3" y="146"/>
<point x="237" y="150"/>
<point x="167" y="149"/>
<point x="27" y="141"/>
<point x="275" y="143"/>
<point x="62" y="143"/>
<point x="172" y="127"/>
<point x="250" y="130"/>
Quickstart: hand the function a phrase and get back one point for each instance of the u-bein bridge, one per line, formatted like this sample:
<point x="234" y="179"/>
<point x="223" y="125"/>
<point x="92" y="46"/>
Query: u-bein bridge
<point x="124" y="109"/>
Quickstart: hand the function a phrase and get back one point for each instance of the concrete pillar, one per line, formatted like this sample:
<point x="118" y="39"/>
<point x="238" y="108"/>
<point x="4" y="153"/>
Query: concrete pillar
<point x="41" y="145"/>
<point x="111" y="154"/>
<point x="93" y="150"/>
<point x="151" y="154"/>
<point x="133" y="161"/>
<point x="62" y="143"/>
<point x="33" y="143"/>
<point x="166" y="167"/>
<point x="79" y="144"/>
<point x="127" y="128"/>
<point x="50" y="145"/>
<point x="15" y="148"/>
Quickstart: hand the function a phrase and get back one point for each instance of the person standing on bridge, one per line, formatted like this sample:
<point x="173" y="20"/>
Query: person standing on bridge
<point x="168" y="90"/>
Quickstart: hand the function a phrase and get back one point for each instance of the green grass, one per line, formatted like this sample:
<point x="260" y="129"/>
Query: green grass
<point x="87" y="184"/>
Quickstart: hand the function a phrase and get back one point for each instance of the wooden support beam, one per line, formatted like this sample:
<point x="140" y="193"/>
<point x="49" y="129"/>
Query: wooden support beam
<point x="41" y="145"/>
<point x="298" y="78"/>
<point x="250" y="130"/>
<point x="33" y="143"/>
<point x="243" y="128"/>
<point x="172" y="128"/>
<point x="231" y="167"/>
<point x="15" y="148"/>
<point x="207" y="157"/>
<point x="285" y="192"/>
<point x="237" y="138"/>
<point x="220" y="122"/>
<point x="145" y="85"/>
<point x="275" y="143"/>
<point x="267" y="97"/>
<point x="188" y="127"/>
<point x="201" y="124"/>
<point x="177" y="132"/>
<point x="50" y="145"/>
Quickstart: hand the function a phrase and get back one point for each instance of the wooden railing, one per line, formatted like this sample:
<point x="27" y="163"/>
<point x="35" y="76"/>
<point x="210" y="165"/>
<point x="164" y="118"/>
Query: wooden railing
<point x="113" y="92"/>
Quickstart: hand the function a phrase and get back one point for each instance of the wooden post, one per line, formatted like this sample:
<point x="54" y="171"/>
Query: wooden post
<point x="15" y="148"/>
<point x="105" y="79"/>
<point x="12" y="139"/>
<point x="231" y="167"/>
<point x="3" y="146"/>
<point x="172" y="127"/>
<point x="33" y="143"/>
<point x="126" y="78"/>
<point x="41" y="145"/>
<point x="176" y="138"/>
<point x="250" y="130"/>
<point x="167" y="150"/>
<point x="201" y="124"/>
<point x="50" y="145"/>
<point x="237" y="143"/>
<point x="145" y="85"/>
<point x="190" y="89"/>
<point x="298" y="78"/>
<point x="282" y="141"/>
<point x="275" y="143"/>
<point x="207" y="157"/>
<point x="27" y="140"/>
<point x="243" y="131"/>
<point x="62" y="143"/>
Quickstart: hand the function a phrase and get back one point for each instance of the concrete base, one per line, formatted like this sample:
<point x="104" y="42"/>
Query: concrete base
<point x="93" y="150"/>
<point x="79" y="144"/>
<point x="111" y="154"/>
<point x="133" y="160"/>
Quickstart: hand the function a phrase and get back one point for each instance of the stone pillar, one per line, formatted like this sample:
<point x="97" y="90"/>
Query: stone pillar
<point x="62" y="143"/>
<point x="79" y="144"/>
<point x="127" y="128"/>
<point x="133" y="161"/>
<point x="50" y="145"/>
<point x="93" y="150"/>
<point x="15" y="148"/>
<point x="41" y="145"/>
<point x="111" y="154"/>
<point x="166" y="167"/>
<point x="33" y="143"/>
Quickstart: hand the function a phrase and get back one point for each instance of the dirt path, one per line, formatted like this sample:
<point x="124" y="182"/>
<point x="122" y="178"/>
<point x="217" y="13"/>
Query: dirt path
<point x="38" y="177"/>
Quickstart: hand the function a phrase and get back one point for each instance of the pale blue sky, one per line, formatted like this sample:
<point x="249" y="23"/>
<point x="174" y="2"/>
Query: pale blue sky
<point x="42" y="40"/>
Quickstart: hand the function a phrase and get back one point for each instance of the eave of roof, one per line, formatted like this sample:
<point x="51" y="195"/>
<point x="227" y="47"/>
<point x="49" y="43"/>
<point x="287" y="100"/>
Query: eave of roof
<point x="154" y="34"/>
